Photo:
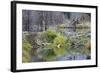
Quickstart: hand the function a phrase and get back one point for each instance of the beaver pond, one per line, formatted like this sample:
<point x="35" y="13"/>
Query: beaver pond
<point x="55" y="36"/>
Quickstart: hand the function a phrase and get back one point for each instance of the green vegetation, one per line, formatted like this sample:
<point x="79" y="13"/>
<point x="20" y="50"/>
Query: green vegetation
<point x="61" y="26"/>
<point x="49" y="36"/>
<point x="61" y="45"/>
<point x="26" y="49"/>
<point x="50" y="45"/>
<point x="54" y="45"/>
